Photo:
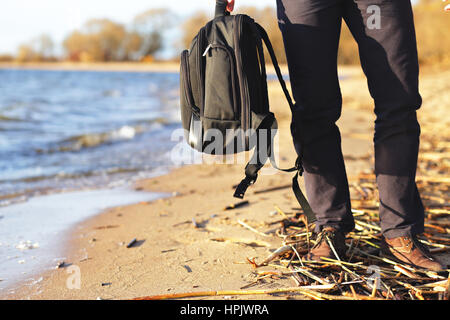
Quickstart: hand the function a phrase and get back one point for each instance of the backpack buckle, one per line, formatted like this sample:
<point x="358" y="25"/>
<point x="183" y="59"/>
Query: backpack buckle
<point x="243" y="186"/>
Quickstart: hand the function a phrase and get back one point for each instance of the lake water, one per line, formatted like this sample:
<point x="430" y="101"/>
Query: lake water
<point x="71" y="130"/>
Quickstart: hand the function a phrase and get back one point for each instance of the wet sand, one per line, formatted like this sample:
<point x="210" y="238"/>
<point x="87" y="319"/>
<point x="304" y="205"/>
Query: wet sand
<point x="172" y="254"/>
<point x="33" y="231"/>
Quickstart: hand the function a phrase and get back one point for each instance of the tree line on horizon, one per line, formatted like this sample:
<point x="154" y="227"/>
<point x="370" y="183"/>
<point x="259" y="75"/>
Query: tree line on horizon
<point x="104" y="40"/>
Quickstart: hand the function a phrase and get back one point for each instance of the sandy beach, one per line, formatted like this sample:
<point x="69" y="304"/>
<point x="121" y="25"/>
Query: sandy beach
<point x="188" y="242"/>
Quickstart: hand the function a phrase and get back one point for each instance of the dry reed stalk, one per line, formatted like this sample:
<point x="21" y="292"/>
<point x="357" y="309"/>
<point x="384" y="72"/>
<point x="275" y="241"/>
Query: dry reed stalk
<point x="332" y="248"/>
<point x="438" y="245"/>
<point x="312" y="276"/>
<point x="356" y="296"/>
<point x="281" y="212"/>
<point x="441" y="283"/>
<point x="307" y="290"/>
<point x="438" y="228"/>
<point x="368" y="225"/>
<point x="404" y="271"/>
<point x="447" y="289"/>
<point x="353" y="292"/>
<point x="242" y="223"/>
<point x="280" y="251"/>
<point x="297" y="279"/>
<point x="374" y="289"/>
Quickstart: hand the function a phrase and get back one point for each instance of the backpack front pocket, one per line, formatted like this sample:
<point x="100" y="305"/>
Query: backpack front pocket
<point x="220" y="83"/>
<point x="186" y="97"/>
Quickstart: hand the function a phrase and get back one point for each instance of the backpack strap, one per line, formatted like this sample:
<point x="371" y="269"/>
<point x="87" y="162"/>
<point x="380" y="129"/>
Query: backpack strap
<point x="269" y="47"/>
<point x="259" y="157"/>
<point x="253" y="167"/>
<point x="307" y="210"/>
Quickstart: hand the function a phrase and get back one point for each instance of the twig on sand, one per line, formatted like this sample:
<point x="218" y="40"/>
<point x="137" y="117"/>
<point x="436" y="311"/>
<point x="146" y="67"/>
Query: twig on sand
<point x="236" y="205"/>
<point x="132" y="243"/>
<point x="242" y="223"/>
<point x="281" y="212"/>
<point x="310" y="291"/>
<point x="273" y="255"/>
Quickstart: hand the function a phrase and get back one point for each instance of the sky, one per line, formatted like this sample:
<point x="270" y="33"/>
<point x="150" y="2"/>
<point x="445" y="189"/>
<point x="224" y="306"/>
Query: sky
<point x="23" y="20"/>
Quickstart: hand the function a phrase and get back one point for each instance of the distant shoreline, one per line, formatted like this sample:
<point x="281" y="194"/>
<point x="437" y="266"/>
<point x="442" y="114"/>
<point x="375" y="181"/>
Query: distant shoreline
<point x="95" y="66"/>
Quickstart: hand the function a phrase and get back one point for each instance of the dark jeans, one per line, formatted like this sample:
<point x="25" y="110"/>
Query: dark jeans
<point x="311" y="30"/>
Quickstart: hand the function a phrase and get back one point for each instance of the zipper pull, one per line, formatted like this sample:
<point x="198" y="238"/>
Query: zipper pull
<point x="207" y="49"/>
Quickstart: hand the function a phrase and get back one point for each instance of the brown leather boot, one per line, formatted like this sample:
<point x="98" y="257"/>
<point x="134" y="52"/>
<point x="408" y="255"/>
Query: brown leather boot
<point x="411" y="251"/>
<point x="322" y="247"/>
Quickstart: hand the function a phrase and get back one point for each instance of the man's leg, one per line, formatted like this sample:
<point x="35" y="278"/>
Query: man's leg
<point x="311" y="31"/>
<point x="384" y="30"/>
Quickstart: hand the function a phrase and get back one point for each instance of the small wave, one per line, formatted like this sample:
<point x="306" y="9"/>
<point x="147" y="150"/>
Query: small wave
<point x="50" y="184"/>
<point x="91" y="140"/>
<point x="9" y="119"/>
<point x="67" y="176"/>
